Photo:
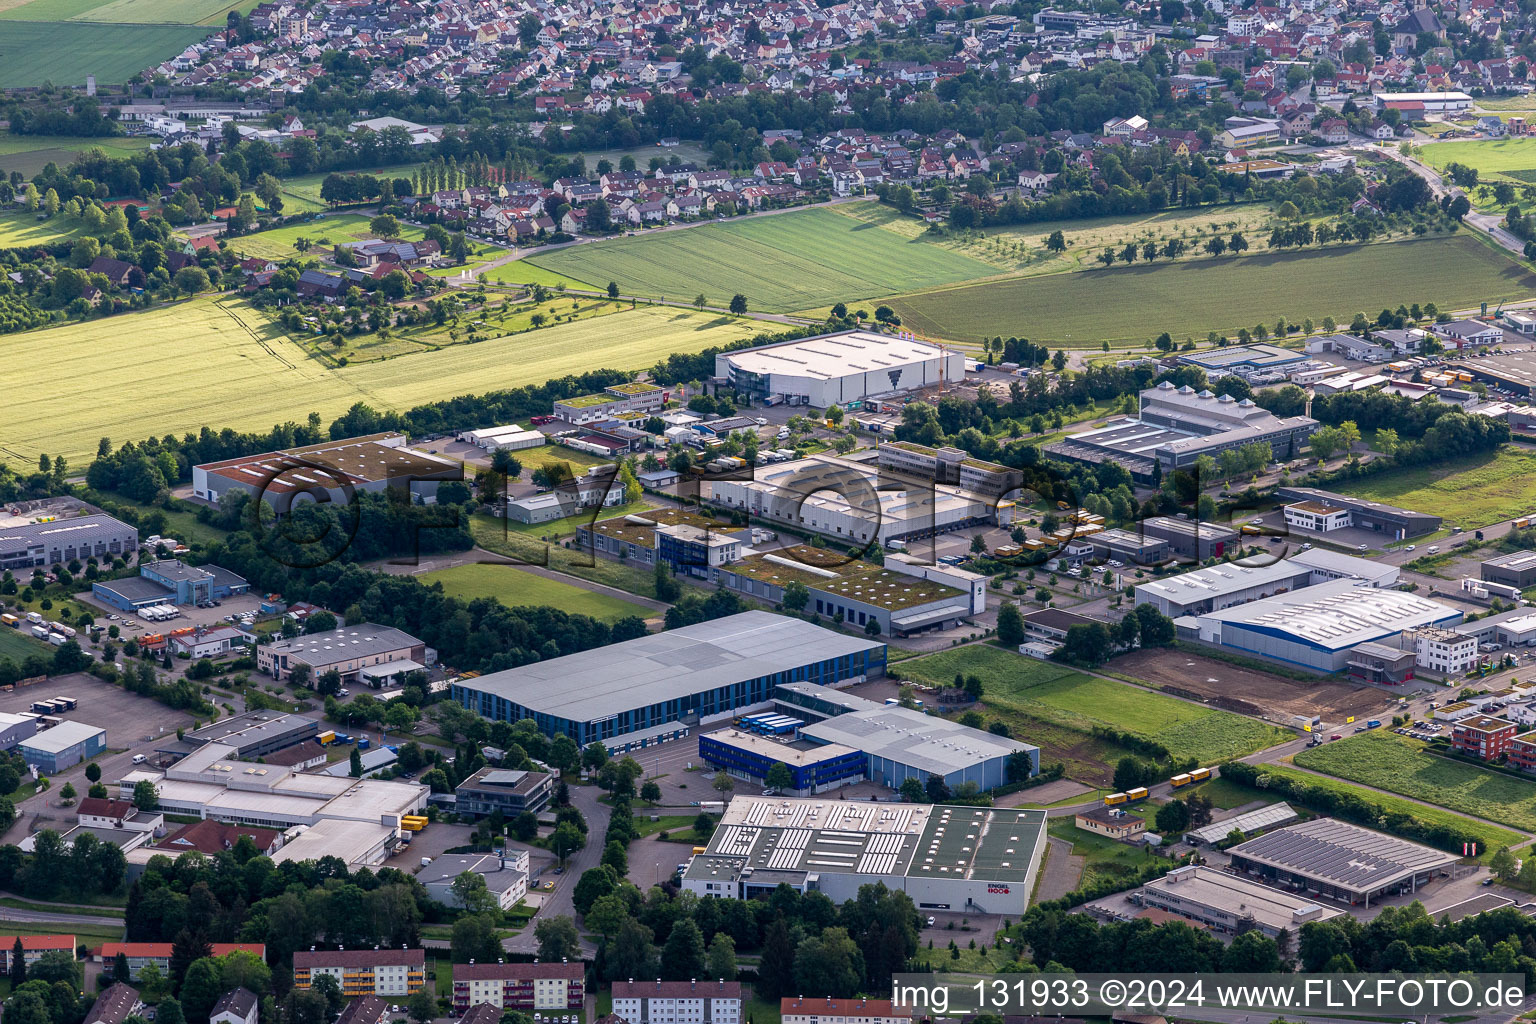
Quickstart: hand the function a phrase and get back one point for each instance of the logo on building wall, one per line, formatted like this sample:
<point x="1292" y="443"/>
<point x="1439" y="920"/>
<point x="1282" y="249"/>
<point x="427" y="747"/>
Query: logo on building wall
<point x="895" y="376"/>
<point x="997" y="889"/>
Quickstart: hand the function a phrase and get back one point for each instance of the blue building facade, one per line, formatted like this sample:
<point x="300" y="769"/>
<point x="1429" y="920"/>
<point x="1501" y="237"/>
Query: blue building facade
<point x="810" y="774"/>
<point x="63" y="746"/>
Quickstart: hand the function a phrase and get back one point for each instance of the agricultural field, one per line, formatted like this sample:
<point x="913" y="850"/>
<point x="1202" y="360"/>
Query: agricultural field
<point x="1493" y="158"/>
<point x="1057" y="695"/>
<point x="302" y="192"/>
<point x="221" y="362"/>
<point x="1470" y="493"/>
<point x="17" y="646"/>
<point x="781" y="263"/>
<point x="122" y="12"/>
<point x="1190" y="298"/>
<point x="29" y="154"/>
<point x="1400" y="765"/>
<point x="513" y="587"/>
<point x="22" y="229"/>
<point x="1489" y="835"/>
<point x="524" y="271"/>
<point x="64" y="52"/>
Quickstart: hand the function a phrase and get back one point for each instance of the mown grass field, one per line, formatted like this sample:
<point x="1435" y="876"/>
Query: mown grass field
<point x="22" y="229"/>
<point x="1492" y="157"/>
<point x="1469" y="493"/>
<point x="302" y="192"/>
<point x="524" y="271"/>
<point x="1400" y="765"/>
<point x="513" y="587"/>
<point x="29" y="154"/>
<point x="222" y="363"/>
<point x="18" y="645"/>
<point x="325" y="232"/>
<point x="780" y="263"/>
<point x="1058" y="695"/>
<point x="64" y="52"/>
<point x="1490" y="836"/>
<point x="1190" y="298"/>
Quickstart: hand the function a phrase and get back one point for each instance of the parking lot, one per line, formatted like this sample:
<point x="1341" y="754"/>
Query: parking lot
<point x="190" y="616"/>
<point x="130" y="720"/>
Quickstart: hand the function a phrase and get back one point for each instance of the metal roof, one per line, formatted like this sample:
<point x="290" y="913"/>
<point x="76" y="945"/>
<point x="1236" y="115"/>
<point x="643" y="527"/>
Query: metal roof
<point x="1336" y="615"/>
<point x="668" y="666"/>
<point x="1264" y="817"/>
<point x="1347" y="856"/>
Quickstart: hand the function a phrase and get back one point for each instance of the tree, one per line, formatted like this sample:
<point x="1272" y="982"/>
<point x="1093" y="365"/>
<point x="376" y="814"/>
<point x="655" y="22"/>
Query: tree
<point x="384" y="226"/>
<point x="169" y="1011"/>
<point x="566" y="840"/>
<point x="1173" y="817"/>
<point x="92" y="772"/>
<point x="594" y="755"/>
<point x="1056" y="242"/>
<point x="796" y="596"/>
<point x="145" y="796"/>
<point x="779" y="777"/>
<point x="474" y="938"/>
<point x="613" y="289"/>
<point x="682" y="957"/>
<point x="355" y="768"/>
<point x="469" y="891"/>
<point x="19" y="965"/>
<point x="723" y="783"/>
<point x="721" y="962"/>
<point x="1010" y="625"/>
<point x="1503" y="865"/>
<point x="421" y="1006"/>
<point x="912" y="790"/>
<point x="557" y="938"/>
<point x="739" y="304"/>
<point x="650" y="792"/>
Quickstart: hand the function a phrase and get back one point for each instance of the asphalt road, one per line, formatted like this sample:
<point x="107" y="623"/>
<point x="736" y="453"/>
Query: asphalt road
<point x="559" y="902"/>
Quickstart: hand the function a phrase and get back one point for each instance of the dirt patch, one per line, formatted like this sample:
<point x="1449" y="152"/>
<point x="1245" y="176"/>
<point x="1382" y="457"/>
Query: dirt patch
<point x="1048" y="793"/>
<point x="1248" y="691"/>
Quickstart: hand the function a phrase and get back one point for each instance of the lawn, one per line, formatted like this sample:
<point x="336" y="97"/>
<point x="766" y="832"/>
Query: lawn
<point x="1192" y="297"/>
<point x="492" y="534"/>
<point x="64" y="52"/>
<point x="302" y="192"/>
<point x="24" y="229"/>
<point x="1491" y="157"/>
<point x="1470" y="492"/>
<point x="781" y="263"/>
<point x="525" y="271"/>
<point x="29" y="154"/>
<point x="325" y="232"/>
<point x="18" y="645"/>
<point x="512" y="586"/>
<point x="220" y="362"/>
<point x="1056" y="695"/>
<point x="1101" y="856"/>
<point x="1490" y="836"/>
<point x="1400" y="765"/>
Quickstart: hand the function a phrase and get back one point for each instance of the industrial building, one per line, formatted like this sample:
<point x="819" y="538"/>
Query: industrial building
<point x="57" y="541"/>
<point x="363" y="972"/>
<point x="62" y="746"/>
<point x="852" y="503"/>
<point x="970" y="859"/>
<point x="527" y="987"/>
<point x="1514" y="569"/>
<point x="1177" y="425"/>
<point x="1316" y="516"/>
<point x="837" y="369"/>
<point x="1192" y="539"/>
<point x="1232" y="583"/>
<point x="1395" y="523"/>
<point x="510" y="791"/>
<point x="948" y="465"/>
<point x="636" y="398"/>
<point x="15" y="728"/>
<point x="1445" y="651"/>
<point x="695" y="542"/>
<point x="1318" y="627"/>
<point x="505" y="874"/>
<point x="696" y="674"/>
<point x="172" y="582"/>
<point x="1261" y="820"/>
<point x="331" y="471"/>
<point x="599" y="487"/>
<point x="511" y="438"/>
<point x="1242" y="360"/>
<point x="348" y="650"/>
<point x="677" y="1002"/>
<point x="1228" y="904"/>
<point x="1513" y="628"/>
<point x="1339" y="861"/>
<point x="902" y="597"/>
<point x="814" y="767"/>
<point x="252" y="734"/>
<point x="1130" y="548"/>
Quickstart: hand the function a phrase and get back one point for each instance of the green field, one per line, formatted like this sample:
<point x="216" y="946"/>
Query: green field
<point x="513" y="587"/>
<point x="64" y="52"/>
<point x="1490" y="836"/>
<point x="29" y="154"/>
<point x="780" y="263"/>
<point x="1470" y="493"/>
<point x="16" y="645"/>
<point x="302" y="192"/>
<point x="1491" y="157"/>
<point x="325" y="232"/>
<point x="525" y="271"/>
<point x="1193" y="297"/>
<point x="1400" y="765"/>
<point x="1058" y="695"/>
<point x="22" y="229"/>
<point x="220" y="362"/>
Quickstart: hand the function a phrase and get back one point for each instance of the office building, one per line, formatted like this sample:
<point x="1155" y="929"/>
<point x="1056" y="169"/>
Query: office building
<point x="1445" y="651"/>
<point x="1192" y="539"/>
<point x="1393" y="522"/>
<point x="330" y="471"/>
<point x="57" y="541"/>
<point x="826" y="1010"/>
<point x="967" y="859"/>
<point x="636" y="398"/>
<point x="696" y="674"/>
<point x="1319" y="626"/>
<point x="170" y="581"/>
<point x="634" y="538"/>
<point x="678" y="1002"/>
<point x="837" y="369"/>
<point x="1316" y="516"/>
<point x="254" y="734"/>
<point x="1229" y="904"/>
<point x="505" y="874"/>
<point x="1339" y="861"/>
<point x="527" y="987"/>
<point x="1132" y="548"/>
<point x="64" y="745"/>
<point x="507" y="790"/>
<point x="1514" y="569"/>
<point x="813" y="767"/>
<point x="364" y="972"/>
<point x="348" y="650"/>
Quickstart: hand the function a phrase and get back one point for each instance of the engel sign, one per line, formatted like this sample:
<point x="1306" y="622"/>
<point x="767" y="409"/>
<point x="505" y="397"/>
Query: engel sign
<point x="997" y="889"/>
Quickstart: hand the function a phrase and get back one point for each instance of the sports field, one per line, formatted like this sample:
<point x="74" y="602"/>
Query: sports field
<point x="512" y="586"/>
<point x="33" y="53"/>
<point x="781" y="263"/>
<point x="1193" y="297"/>
<point x="1470" y="493"/>
<point x="1056" y="694"/>
<point x="220" y="362"/>
<point x="1400" y="765"/>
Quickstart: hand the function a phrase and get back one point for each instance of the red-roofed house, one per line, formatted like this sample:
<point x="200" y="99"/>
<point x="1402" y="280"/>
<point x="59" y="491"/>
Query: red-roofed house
<point x="844" y="1011"/>
<point x="34" y="946"/>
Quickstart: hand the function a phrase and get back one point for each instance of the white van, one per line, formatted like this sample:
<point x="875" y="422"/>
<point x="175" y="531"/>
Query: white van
<point x="139" y="758"/>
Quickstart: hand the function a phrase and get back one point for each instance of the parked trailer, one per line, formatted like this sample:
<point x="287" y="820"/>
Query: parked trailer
<point x="1182" y="779"/>
<point x="41" y="632"/>
<point x="69" y="703"/>
<point x="1199" y="775"/>
<point x="1139" y="793"/>
<point x="1115" y="798"/>
<point x="41" y="707"/>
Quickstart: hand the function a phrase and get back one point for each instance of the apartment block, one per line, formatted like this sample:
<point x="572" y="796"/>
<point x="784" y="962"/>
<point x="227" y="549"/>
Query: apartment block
<point x="678" y="1002"/>
<point x="1483" y="736"/>
<point x="535" y="986"/>
<point x="364" y="972"/>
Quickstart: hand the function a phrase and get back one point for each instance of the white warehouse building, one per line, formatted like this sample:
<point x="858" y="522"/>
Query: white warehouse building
<point x="838" y="369"/>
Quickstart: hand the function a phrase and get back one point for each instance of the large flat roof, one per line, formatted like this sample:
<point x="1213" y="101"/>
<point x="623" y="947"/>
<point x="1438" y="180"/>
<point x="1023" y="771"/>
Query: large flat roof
<point x="357" y="460"/>
<point x="61" y="530"/>
<point x="1234" y="355"/>
<point x="1340" y="854"/>
<point x="364" y="640"/>
<point x="925" y="742"/>
<point x="1336" y="615"/>
<point x="1352" y="503"/>
<point x="61" y="737"/>
<point x="667" y="666"/>
<point x="835" y="355"/>
<point x="1219" y="580"/>
<point x="252" y="727"/>
<point x="1241" y="897"/>
<point x="835" y="572"/>
<point x="798" y="754"/>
